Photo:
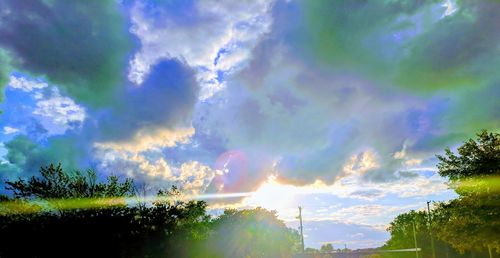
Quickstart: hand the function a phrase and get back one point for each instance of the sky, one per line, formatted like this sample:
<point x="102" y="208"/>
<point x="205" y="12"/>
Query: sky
<point x="336" y="106"/>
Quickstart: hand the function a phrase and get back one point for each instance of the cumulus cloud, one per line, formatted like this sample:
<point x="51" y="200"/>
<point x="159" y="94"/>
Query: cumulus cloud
<point x="10" y="130"/>
<point x="216" y="39"/>
<point x="25" y="156"/>
<point x="155" y="171"/>
<point x="58" y="113"/>
<point x="25" y="84"/>
<point x="86" y="57"/>
<point x="144" y="140"/>
<point x="166" y="99"/>
<point x="323" y="86"/>
<point x="349" y="193"/>
<point x="147" y="118"/>
<point x="305" y="92"/>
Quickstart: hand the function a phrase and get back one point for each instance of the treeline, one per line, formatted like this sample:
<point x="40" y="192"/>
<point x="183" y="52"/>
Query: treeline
<point x="468" y="226"/>
<point x="60" y="214"/>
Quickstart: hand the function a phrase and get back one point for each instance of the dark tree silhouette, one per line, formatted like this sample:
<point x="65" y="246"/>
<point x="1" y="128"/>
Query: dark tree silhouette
<point x="54" y="183"/>
<point x="75" y="215"/>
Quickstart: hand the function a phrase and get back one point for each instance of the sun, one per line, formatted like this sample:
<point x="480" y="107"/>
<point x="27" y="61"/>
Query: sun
<point x="272" y="195"/>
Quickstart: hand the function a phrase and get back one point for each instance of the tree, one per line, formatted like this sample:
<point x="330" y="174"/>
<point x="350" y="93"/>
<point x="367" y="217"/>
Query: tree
<point x="169" y="226"/>
<point x="54" y="183"/>
<point x="401" y="230"/>
<point x="251" y="233"/>
<point x="471" y="221"/>
<point x="476" y="158"/>
<point x="326" y="248"/>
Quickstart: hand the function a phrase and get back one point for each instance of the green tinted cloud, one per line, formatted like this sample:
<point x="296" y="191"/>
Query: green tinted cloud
<point x="80" y="45"/>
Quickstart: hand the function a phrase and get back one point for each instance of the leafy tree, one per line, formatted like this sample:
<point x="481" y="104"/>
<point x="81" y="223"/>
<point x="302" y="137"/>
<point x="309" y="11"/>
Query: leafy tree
<point x="475" y="158"/>
<point x="401" y="230"/>
<point x="472" y="220"/>
<point x="251" y="233"/>
<point x="326" y="248"/>
<point x="469" y="223"/>
<point x="311" y="250"/>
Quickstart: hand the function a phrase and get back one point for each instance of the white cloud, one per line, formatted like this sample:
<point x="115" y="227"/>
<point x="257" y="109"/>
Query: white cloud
<point x="451" y="8"/>
<point x="26" y="85"/>
<point x="141" y="158"/>
<point x="58" y="113"/>
<point x="218" y="43"/>
<point x="192" y="177"/>
<point x="350" y="188"/>
<point x="9" y="130"/>
<point x="151" y="139"/>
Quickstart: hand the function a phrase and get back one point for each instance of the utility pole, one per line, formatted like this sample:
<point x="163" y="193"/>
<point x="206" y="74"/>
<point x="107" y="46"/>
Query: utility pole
<point x="301" y="229"/>
<point x="415" y="238"/>
<point x="430" y="230"/>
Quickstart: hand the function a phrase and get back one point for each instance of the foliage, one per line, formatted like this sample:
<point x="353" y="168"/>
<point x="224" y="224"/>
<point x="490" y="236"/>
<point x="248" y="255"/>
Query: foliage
<point x="251" y="233"/>
<point x="55" y="183"/>
<point x="326" y="248"/>
<point x="311" y="250"/>
<point x="470" y="223"/>
<point x="475" y="158"/>
<point x="82" y="223"/>
<point x="472" y="220"/>
<point x="401" y="230"/>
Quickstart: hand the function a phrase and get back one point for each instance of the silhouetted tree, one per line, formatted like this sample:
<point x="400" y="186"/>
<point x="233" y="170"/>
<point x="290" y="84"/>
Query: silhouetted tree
<point x="60" y="214"/>
<point x="54" y="183"/>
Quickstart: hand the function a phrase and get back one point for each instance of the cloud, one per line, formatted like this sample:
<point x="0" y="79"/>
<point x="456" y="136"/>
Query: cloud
<point x="10" y="130"/>
<point x="340" y="234"/>
<point x="4" y="71"/>
<point x="349" y="193"/>
<point x="165" y="99"/>
<point x="85" y="57"/>
<point x="39" y="109"/>
<point x="150" y="117"/>
<point x="145" y="140"/>
<point x="304" y="91"/>
<point x="26" y="85"/>
<point x="323" y="86"/>
<point x="58" y="113"/>
<point x="155" y="171"/>
<point x="215" y="38"/>
<point x="25" y="156"/>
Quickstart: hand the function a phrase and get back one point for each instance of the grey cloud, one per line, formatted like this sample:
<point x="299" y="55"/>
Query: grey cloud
<point x="81" y="46"/>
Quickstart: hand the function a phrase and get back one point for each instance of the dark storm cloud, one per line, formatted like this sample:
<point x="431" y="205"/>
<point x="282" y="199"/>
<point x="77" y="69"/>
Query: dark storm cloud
<point x="82" y="46"/>
<point x="165" y="99"/>
<point x="25" y="156"/>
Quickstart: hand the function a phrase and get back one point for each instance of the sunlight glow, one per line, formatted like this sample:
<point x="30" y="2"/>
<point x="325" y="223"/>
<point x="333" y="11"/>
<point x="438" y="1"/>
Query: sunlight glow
<point x="272" y="195"/>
